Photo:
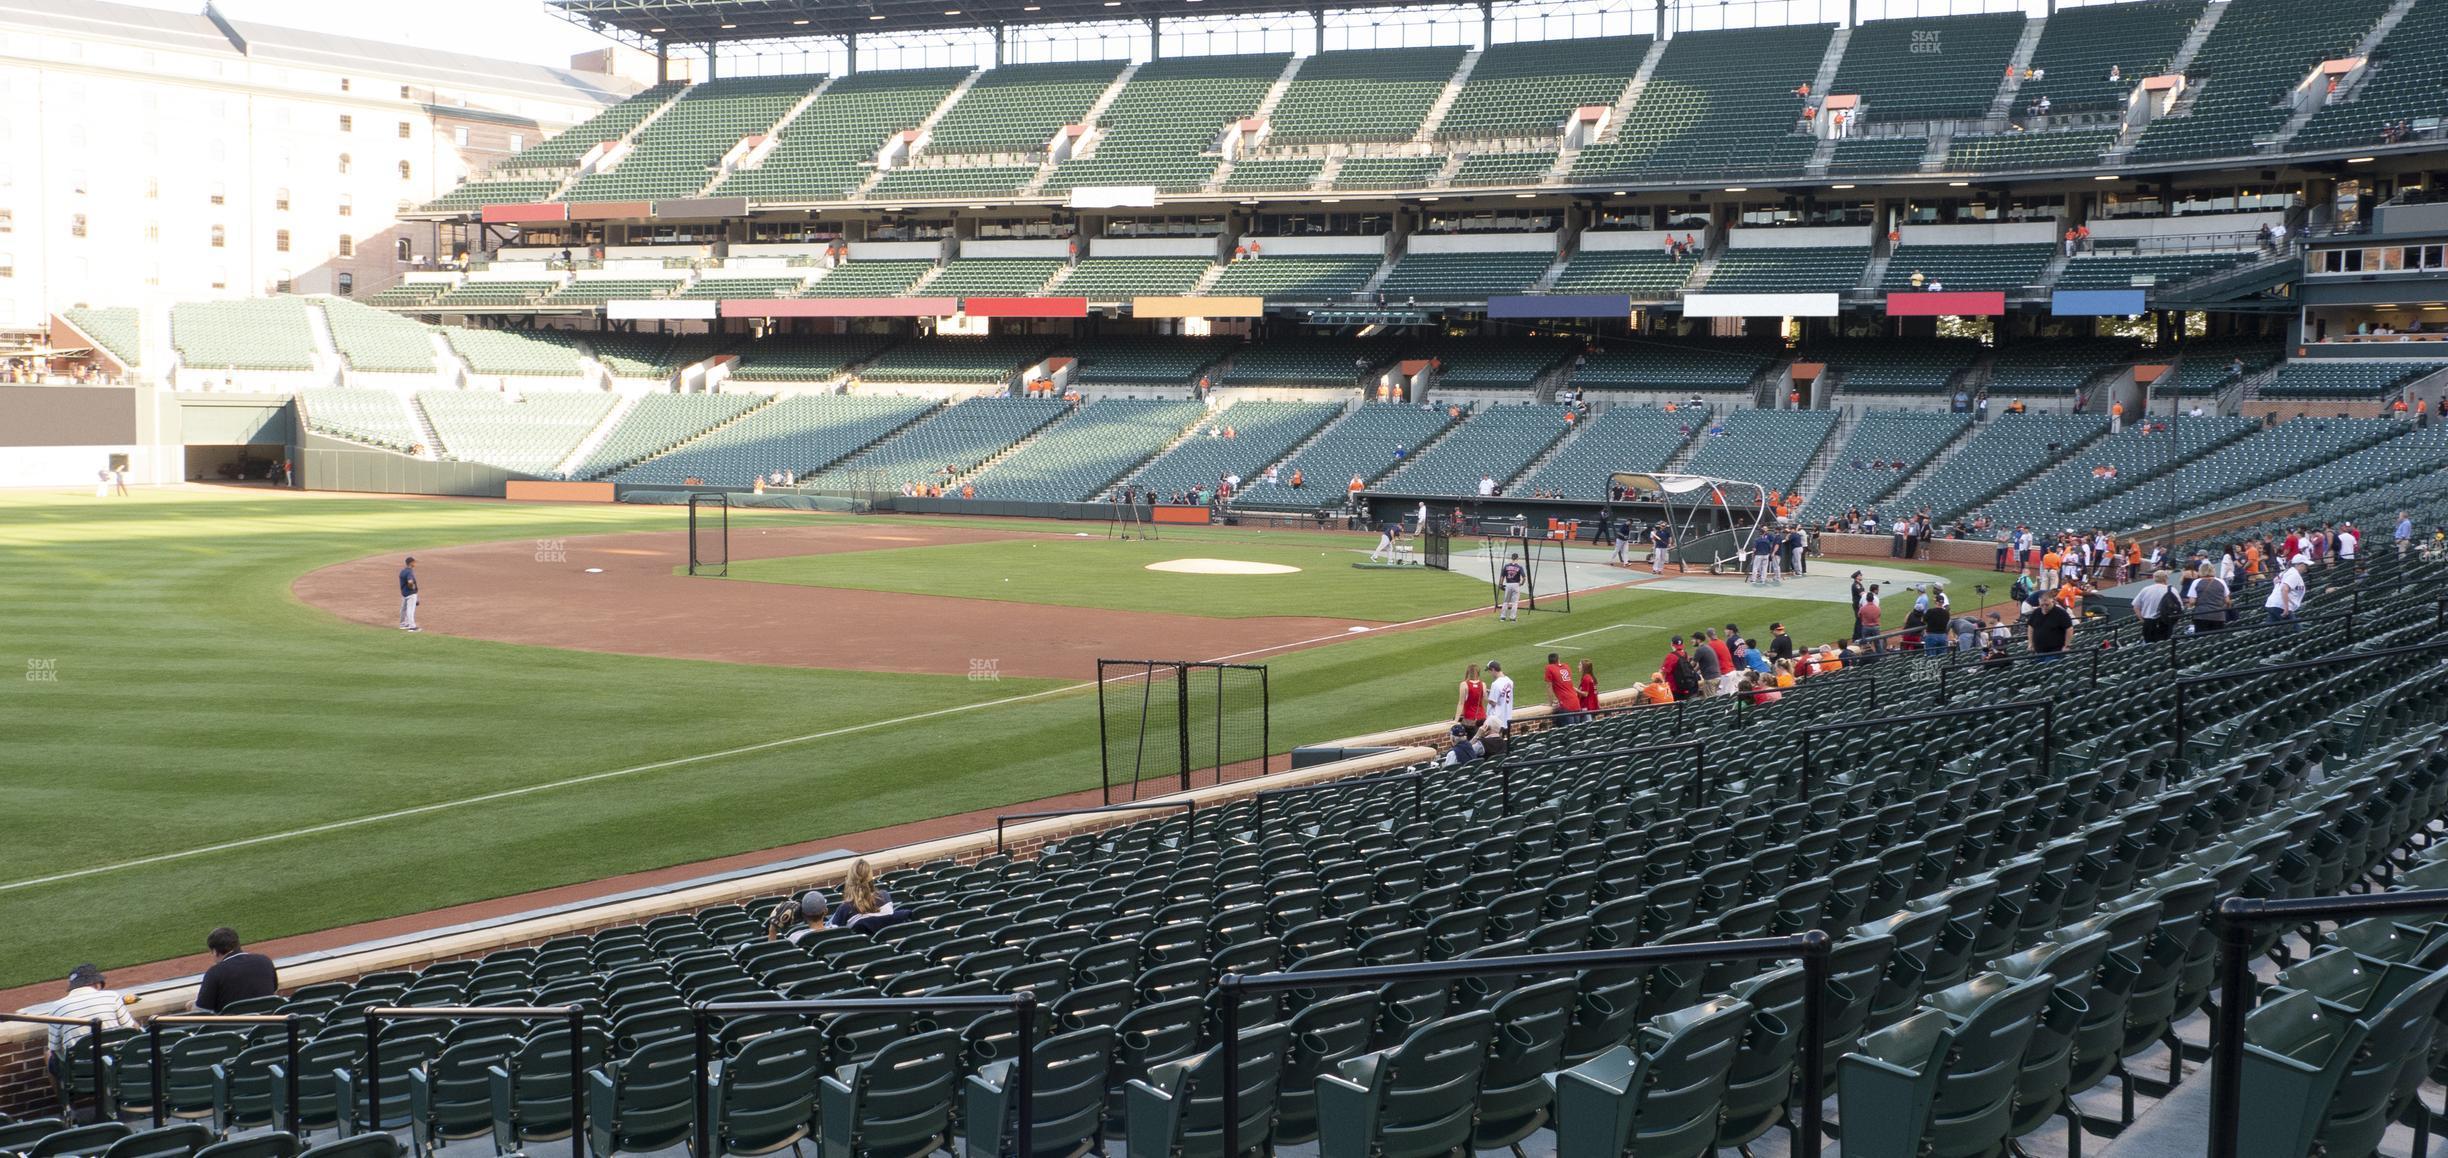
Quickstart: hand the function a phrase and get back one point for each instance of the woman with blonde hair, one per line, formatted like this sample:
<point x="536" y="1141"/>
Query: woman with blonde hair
<point x="1784" y="673"/>
<point x="1471" y="706"/>
<point x="861" y="897"/>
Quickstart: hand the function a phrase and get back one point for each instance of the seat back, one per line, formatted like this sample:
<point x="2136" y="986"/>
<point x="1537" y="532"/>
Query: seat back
<point x="765" y="1095"/>
<point x="897" y="1104"/>
<point x="1412" y="1101"/>
<point x="645" y="1101"/>
<point x="1663" y="1094"/>
<point x="178" y="1141"/>
<point x="1514" y="1096"/>
<point x="1324" y="1034"/>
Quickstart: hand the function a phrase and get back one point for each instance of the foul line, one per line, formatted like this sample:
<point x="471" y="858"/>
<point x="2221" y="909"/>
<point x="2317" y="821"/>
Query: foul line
<point x="1596" y="630"/>
<point x="659" y="765"/>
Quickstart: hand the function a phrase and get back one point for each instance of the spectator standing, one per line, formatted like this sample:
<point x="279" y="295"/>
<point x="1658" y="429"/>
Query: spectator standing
<point x="2404" y="535"/>
<point x="2286" y="595"/>
<point x="1589" y="686"/>
<point x="2211" y="601"/>
<point x="1562" y="696"/>
<point x="2159" y="609"/>
<point x="1680" y="671"/>
<point x="1866" y="616"/>
<point x="1470" y="699"/>
<point x="1499" y="699"/>
<point x="2052" y="629"/>
<point x="236" y="974"/>
<point x="1706" y="667"/>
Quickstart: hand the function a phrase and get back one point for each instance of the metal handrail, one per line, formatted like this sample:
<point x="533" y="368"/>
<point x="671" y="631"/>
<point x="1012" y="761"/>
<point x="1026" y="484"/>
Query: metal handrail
<point x="1022" y="1004"/>
<point x="289" y="1072"/>
<point x="1189" y="807"/>
<point x="575" y="1014"/>
<point x="93" y="1038"/>
<point x="1812" y="948"/>
<point x="2237" y="917"/>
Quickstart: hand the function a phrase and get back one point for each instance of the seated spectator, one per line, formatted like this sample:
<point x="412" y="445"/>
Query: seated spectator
<point x="863" y="902"/>
<point x="90" y="997"/>
<point x="796" y="918"/>
<point x="1655" y="690"/>
<point x="236" y="975"/>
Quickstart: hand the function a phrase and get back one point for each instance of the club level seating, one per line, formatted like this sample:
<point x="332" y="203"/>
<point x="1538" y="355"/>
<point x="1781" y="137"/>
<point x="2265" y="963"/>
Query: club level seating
<point x="1642" y="273"/>
<point x="1298" y="277"/>
<point x="2010" y="448"/>
<point x="1504" y="168"/>
<point x="1115" y="278"/>
<point x="1527" y="89"/>
<point x="1498" y="363"/>
<point x="1387" y="172"/>
<point x="1718" y="104"/>
<point x="2259" y="49"/>
<point x="1928" y="68"/>
<point x="1621" y="438"/>
<point x="2043" y="369"/>
<point x="1018" y="108"/>
<point x="2080" y="45"/>
<point x="675" y="156"/>
<point x="2093" y="271"/>
<point x="376" y="342"/>
<point x="530" y="434"/>
<point x="1897" y="365"/>
<point x="919" y="182"/>
<point x="256" y="334"/>
<point x="2269" y="454"/>
<point x="803" y="434"/>
<point x="1255" y="176"/>
<point x="1151" y="360"/>
<point x="805" y="359"/>
<point x="532" y="353"/>
<point x="1495" y="442"/>
<point x="719" y="288"/>
<point x="1085" y="452"/>
<point x="2136" y="457"/>
<point x="1857" y="477"/>
<point x="1360" y="443"/>
<point x="376" y="416"/>
<point x="564" y="148"/>
<point x="1304" y="362"/>
<point x="994" y="277"/>
<point x="506" y="191"/>
<point x="116" y="329"/>
<point x="1767" y="447"/>
<point x="1377" y="94"/>
<point x="1968" y="267"/>
<point x="1262" y="432"/>
<point x="655" y="355"/>
<point x="598" y="290"/>
<point x="1713" y="367"/>
<point x="2345" y="380"/>
<point x="2409" y="70"/>
<point x="2050" y="150"/>
<point x="1158" y="129"/>
<point x="961" y="436"/>
<point x="826" y="150"/>
<point x="496" y="294"/>
<point x="959" y="360"/>
<point x="868" y="279"/>
<point x="1857" y="156"/>
<point x="1453" y="277"/>
<point x="1832" y="269"/>
<point x="659" y="422"/>
<point x="408" y="294"/>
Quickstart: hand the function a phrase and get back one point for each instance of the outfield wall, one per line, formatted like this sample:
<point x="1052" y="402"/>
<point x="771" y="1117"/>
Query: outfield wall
<point x="59" y="436"/>
<point x="333" y="464"/>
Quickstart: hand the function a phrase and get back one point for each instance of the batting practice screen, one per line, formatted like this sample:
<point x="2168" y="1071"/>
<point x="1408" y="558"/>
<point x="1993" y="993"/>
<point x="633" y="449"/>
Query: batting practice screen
<point x="1164" y="717"/>
<point x="709" y="533"/>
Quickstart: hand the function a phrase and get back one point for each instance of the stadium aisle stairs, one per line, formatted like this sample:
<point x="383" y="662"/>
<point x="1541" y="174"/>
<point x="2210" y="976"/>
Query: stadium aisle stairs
<point x="2003" y="104"/>
<point x="1302" y="447"/>
<point x="701" y="435"/>
<point x="595" y="438"/>
<point x="2371" y="41"/>
<point x="422" y="423"/>
<point x="578" y="172"/>
<point x="1445" y="100"/>
<point x="1045" y="169"/>
<point x="328" y="361"/>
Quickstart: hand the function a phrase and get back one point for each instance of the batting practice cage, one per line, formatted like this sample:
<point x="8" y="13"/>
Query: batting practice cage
<point x="1713" y="520"/>
<point x="1436" y="548"/>
<point x="709" y="533"/>
<point x="1547" y="585"/>
<point x="1158" y="717"/>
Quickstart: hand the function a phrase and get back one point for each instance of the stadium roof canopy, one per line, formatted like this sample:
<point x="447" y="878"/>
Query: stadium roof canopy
<point x="646" y="22"/>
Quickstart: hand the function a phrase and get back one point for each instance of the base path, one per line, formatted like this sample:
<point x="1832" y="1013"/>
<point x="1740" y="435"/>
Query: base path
<point x="544" y="593"/>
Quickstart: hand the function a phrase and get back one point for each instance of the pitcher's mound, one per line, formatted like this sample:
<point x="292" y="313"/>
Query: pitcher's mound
<point x="1221" y="567"/>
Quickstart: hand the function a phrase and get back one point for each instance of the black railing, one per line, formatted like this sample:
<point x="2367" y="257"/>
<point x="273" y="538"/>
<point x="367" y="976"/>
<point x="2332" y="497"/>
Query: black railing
<point x="1022" y="1004"/>
<point x="289" y="1071"/>
<point x="2238" y="917"/>
<point x="574" y="1015"/>
<point x="2048" y="730"/>
<point x="2330" y="661"/>
<point x="1189" y="807"/>
<point x="93" y="1040"/>
<point x="1811" y="948"/>
<point x="1505" y="765"/>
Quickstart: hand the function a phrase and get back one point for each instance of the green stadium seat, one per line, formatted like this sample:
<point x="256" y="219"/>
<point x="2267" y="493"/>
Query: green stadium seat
<point x="1527" y="89"/>
<point x="1158" y="130"/>
<point x="868" y="279"/>
<point x="920" y="182"/>
<point x="1144" y="361"/>
<point x="805" y="359"/>
<point x="2080" y="148"/>
<point x="1017" y="108"/>
<point x="507" y="191"/>
<point x="1943" y="1080"/>
<point x="116" y="329"/>
<point x="1707" y="111"/>
<point x="529" y="434"/>
<point x="1833" y="269"/>
<point x="1177" y="1111"/>
<point x="408" y="294"/>
<point x="973" y="361"/>
<point x="2408" y="70"/>
<point x="598" y="290"/>
<point x="495" y="293"/>
<point x="565" y="148"/>
<point x="1897" y="365"/>
<point x="1661" y="1095"/>
<point x="2363" y="381"/>
<point x="2013" y="268"/>
<point x="1257" y="176"/>
<point x="1387" y="172"/>
<point x="1297" y="277"/>
<point x="1494" y="442"/>
<point x="1704" y="367"/>
<point x="2258" y="49"/>
<point x="1408" y="1101"/>
<point x="1911" y="437"/>
<point x="1087" y="451"/>
<point x="1766" y="447"/>
<point x="258" y="334"/>
<point x="962" y="436"/>
<point x="656" y="356"/>
<point x="993" y="277"/>
<point x="1863" y="155"/>
<point x="1262" y="433"/>
<point x="2318" y="1081"/>
<point x="2080" y="45"/>
<point x="1619" y="438"/>
<point x="898" y="1104"/>
<point x="1647" y="274"/>
<point x="1105" y="279"/>
<point x="676" y="155"/>
<point x="1465" y="277"/>
<point x="531" y="353"/>
<point x="1928" y="67"/>
<point x="759" y="286"/>
<point x="373" y="341"/>
<point x="1067" y="1091"/>
<point x="1380" y="94"/>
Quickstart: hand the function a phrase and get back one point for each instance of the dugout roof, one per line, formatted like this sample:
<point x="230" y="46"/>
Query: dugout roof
<point x="700" y="21"/>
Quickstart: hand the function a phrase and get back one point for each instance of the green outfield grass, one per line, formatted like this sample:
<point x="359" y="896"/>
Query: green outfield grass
<point x="197" y="704"/>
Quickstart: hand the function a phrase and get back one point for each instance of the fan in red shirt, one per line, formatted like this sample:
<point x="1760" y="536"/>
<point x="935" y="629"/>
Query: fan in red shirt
<point x="1589" y="686"/>
<point x="1560" y="688"/>
<point x="1472" y="706"/>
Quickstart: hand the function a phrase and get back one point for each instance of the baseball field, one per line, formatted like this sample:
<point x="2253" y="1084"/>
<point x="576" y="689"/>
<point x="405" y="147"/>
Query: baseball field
<point x="218" y="721"/>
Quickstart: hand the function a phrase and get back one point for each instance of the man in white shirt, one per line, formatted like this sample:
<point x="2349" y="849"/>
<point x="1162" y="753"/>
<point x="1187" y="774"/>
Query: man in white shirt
<point x="2227" y="566"/>
<point x="1487" y="486"/>
<point x="1499" y="698"/>
<point x="89" y="998"/>
<point x="2151" y="609"/>
<point x="1420" y="525"/>
<point x="2286" y="593"/>
<point x="2347" y="540"/>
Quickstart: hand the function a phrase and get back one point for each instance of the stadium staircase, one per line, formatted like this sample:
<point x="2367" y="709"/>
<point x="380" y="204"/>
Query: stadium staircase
<point x="1045" y="169"/>
<point x="1328" y="173"/>
<point x="1181" y="436"/>
<point x="1275" y="92"/>
<point x="1539" y="460"/>
<point x="1385" y="269"/>
<point x="1933" y="159"/>
<point x="693" y="439"/>
<point x="996" y="459"/>
<point x="1701" y="270"/>
<point x="578" y="172"/>
<point x="1453" y="165"/>
<point x="422" y="423"/>
<point x="1829" y="63"/>
<point x="772" y="133"/>
<point x="1445" y="100"/>
<point x="925" y="127"/>
<point x="1301" y="447"/>
<point x="1816" y="470"/>
<point x="2370" y="43"/>
<point x="1623" y="104"/>
<point x="2003" y="104"/>
<point x="595" y="438"/>
<point x="1921" y="473"/>
<point x="329" y="365"/>
<point x="2177" y="66"/>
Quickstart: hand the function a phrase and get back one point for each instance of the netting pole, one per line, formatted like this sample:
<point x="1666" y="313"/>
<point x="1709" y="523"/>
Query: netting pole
<point x="1266" y="711"/>
<point x="1147" y="692"/>
<point x="1104" y="756"/>
<point x="1219" y="724"/>
<point x="1181" y="709"/>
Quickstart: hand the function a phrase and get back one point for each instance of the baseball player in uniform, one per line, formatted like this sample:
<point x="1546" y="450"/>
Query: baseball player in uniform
<point x="1510" y="578"/>
<point x="408" y="596"/>
<point x="1659" y="540"/>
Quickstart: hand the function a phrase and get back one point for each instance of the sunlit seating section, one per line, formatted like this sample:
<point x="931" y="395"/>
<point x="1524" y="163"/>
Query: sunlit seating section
<point x="247" y="334"/>
<point x="530" y="433"/>
<point x="374" y="341"/>
<point x="1378" y="94"/>
<point x="2081" y="45"/>
<point x="1719" y="104"/>
<point x="803" y="434"/>
<point x="825" y="151"/>
<point x="2029" y="150"/>
<point x="1017" y="108"/>
<point x="868" y="279"/>
<point x="1651" y="274"/>
<point x="676" y="155"/>
<point x="1527" y="89"/>
<point x="959" y="360"/>
<point x="1087" y="451"/>
<point x="961" y="436"/>
<point x="1928" y="67"/>
<point x="1103" y="279"/>
<point x="568" y="146"/>
<point x="1298" y="277"/>
<point x="1149" y="360"/>
<point x="379" y="417"/>
<point x="993" y="277"/>
<point x="1494" y="442"/>
<point x="116" y="329"/>
<point x="659" y="422"/>
<point x="656" y="355"/>
<point x="1162" y="127"/>
<point x="1261" y="433"/>
<point x="529" y="353"/>
<point x="805" y="358"/>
